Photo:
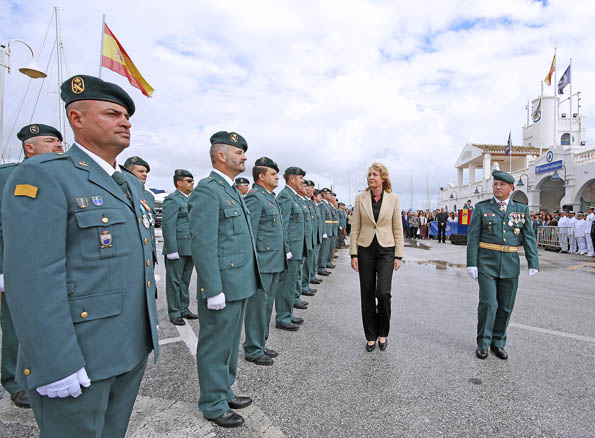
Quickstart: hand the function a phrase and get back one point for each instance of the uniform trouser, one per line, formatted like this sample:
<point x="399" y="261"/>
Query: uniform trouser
<point x="297" y="289"/>
<point x="332" y="246"/>
<point x="102" y="410"/>
<point x="441" y="232"/>
<point x="563" y="237"/>
<point x="315" y="257"/>
<point x="496" y="301"/>
<point x="307" y="271"/>
<point x="581" y="243"/>
<point x="258" y="315"/>
<point x="217" y="355"/>
<point x="10" y="347"/>
<point x="177" y="278"/>
<point x="376" y="264"/>
<point x="572" y="242"/>
<point x="323" y="256"/>
<point x="286" y="295"/>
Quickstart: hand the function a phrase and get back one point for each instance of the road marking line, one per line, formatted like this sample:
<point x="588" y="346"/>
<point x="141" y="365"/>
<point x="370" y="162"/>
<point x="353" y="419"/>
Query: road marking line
<point x="584" y="265"/>
<point x="169" y="340"/>
<point x="554" y="332"/>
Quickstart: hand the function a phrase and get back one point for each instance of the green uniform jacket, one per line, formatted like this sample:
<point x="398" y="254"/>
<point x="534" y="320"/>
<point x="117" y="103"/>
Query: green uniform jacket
<point x="223" y="247"/>
<point x="316" y="235"/>
<point x="342" y="218"/>
<point x="150" y="198"/>
<point x="335" y="219"/>
<point x="319" y="222"/>
<point x="328" y="218"/>
<point x="79" y="277"/>
<point x="176" y="225"/>
<point x="308" y="224"/>
<point x="490" y="225"/>
<point x="5" y="171"/>
<point x="293" y="221"/>
<point x="267" y="224"/>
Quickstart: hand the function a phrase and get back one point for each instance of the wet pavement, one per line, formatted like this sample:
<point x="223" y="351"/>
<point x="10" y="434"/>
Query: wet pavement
<point x="427" y="383"/>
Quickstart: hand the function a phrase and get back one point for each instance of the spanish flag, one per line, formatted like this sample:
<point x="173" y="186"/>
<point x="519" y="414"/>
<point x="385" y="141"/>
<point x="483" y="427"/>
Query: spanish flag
<point x="548" y="78"/>
<point x="116" y="59"/>
<point x="464" y="216"/>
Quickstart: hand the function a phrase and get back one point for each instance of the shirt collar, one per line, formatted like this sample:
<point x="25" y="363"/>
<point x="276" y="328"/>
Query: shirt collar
<point x="506" y="201"/>
<point x="182" y="193"/>
<point x="225" y="177"/>
<point x="100" y="161"/>
<point x="291" y="188"/>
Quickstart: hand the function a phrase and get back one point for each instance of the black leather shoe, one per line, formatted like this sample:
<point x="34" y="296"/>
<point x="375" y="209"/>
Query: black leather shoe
<point x="315" y="281"/>
<point x="370" y="347"/>
<point x="177" y="321"/>
<point x="20" y="399"/>
<point x="229" y="419"/>
<point x="331" y="266"/>
<point x="481" y="353"/>
<point x="240" y="402"/>
<point x="190" y="315"/>
<point x="499" y="353"/>
<point x="382" y="345"/>
<point x="260" y="360"/>
<point x="324" y="273"/>
<point x="291" y="327"/>
<point x="297" y="320"/>
<point x="301" y="305"/>
<point x="270" y="353"/>
<point x="309" y="293"/>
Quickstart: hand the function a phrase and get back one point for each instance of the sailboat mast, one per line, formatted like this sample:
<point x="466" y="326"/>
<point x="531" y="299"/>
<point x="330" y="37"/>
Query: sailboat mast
<point x="59" y="53"/>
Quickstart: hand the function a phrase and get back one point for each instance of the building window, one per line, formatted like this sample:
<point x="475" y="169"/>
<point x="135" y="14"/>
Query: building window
<point x="565" y="139"/>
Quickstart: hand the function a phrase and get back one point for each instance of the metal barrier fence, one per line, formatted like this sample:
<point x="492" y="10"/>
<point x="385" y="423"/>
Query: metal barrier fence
<point x="554" y="238"/>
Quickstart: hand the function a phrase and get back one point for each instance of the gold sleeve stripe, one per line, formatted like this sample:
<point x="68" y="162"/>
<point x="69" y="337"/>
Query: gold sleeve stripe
<point x="25" y="190"/>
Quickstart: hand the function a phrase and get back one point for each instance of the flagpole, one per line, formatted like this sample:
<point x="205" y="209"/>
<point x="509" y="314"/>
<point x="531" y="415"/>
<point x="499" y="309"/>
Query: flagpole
<point x="541" y="121"/>
<point x="556" y="108"/>
<point x="101" y="50"/>
<point x="570" y="99"/>
<point x="510" y="153"/>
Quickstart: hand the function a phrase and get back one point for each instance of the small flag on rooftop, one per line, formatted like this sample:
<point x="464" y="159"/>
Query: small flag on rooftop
<point x="548" y="78"/>
<point x="564" y="81"/>
<point x="508" y="145"/>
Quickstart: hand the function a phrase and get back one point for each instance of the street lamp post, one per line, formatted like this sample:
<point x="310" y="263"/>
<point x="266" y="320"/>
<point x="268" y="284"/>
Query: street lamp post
<point x="556" y="178"/>
<point x="32" y="70"/>
<point x="456" y="196"/>
<point x="477" y="192"/>
<point x="520" y="183"/>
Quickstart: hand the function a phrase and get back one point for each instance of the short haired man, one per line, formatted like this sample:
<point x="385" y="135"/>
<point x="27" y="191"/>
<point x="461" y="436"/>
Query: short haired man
<point x="499" y="226"/>
<point x="94" y="303"/>
<point x="442" y="218"/>
<point x="175" y="224"/>
<point x="243" y="185"/>
<point x="36" y="139"/>
<point x="227" y="271"/>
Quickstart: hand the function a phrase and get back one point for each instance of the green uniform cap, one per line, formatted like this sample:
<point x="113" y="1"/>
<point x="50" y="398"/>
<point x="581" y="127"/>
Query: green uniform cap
<point x="503" y="176"/>
<point x="84" y="87"/>
<point x="310" y="183"/>
<point x="182" y="173"/>
<point x="294" y="171"/>
<point x="38" y="130"/>
<point x="267" y="162"/>
<point x="325" y="190"/>
<point x="136" y="161"/>
<point x="242" y="180"/>
<point x="317" y="192"/>
<point x="230" y="138"/>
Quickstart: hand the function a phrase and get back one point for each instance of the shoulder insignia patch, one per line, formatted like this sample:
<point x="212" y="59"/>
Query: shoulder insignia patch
<point x="25" y="190"/>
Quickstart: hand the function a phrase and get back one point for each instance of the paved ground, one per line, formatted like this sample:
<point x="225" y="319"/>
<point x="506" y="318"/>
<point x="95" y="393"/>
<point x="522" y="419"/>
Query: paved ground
<point x="428" y="382"/>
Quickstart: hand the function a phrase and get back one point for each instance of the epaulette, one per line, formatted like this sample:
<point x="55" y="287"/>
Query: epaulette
<point x="44" y="158"/>
<point x="483" y="202"/>
<point x="7" y="165"/>
<point x="519" y="202"/>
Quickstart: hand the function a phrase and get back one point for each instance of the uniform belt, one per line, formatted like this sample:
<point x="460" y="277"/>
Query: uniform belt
<point x="496" y="247"/>
<point x="328" y="222"/>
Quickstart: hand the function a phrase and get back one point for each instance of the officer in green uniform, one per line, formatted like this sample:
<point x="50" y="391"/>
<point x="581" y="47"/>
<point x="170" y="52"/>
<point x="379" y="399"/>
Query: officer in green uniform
<point x="227" y="275"/>
<point x="271" y="247"/>
<point x="36" y="139"/>
<point x="243" y="185"/>
<point x="334" y="236"/>
<point x="499" y="226"/>
<point x="292" y="211"/>
<point x="325" y="248"/>
<point x="308" y="263"/>
<point x="316" y="198"/>
<point x="86" y="315"/>
<point x="342" y="224"/>
<point x="309" y="238"/>
<point x="176" y="247"/>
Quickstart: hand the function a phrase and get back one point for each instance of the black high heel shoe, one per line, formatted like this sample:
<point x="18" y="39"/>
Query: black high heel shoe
<point x="382" y="345"/>
<point x="370" y="347"/>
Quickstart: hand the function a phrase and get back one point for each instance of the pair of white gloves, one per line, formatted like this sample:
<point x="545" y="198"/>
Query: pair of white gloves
<point x="67" y="387"/>
<point x="472" y="271"/>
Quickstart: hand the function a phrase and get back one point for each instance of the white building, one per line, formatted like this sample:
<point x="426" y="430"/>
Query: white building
<point x="558" y="172"/>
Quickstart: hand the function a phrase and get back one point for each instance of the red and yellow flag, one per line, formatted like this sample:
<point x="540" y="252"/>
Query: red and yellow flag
<point x="548" y="78"/>
<point x="464" y="216"/>
<point x="116" y="59"/>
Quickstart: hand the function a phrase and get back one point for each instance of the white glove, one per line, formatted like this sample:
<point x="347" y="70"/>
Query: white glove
<point x="532" y="272"/>
<point x="217" y="302"/>
<point x="472" y="271"/>
<point x="67" y="387"/>
<point x="1" y="282"/>
<point x="324" y="236"/>
<point x="289" y="255"/>
<point x="173" y="256"/>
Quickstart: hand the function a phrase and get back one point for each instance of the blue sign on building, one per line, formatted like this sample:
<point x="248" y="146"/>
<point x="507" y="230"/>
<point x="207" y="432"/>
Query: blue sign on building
<point x="548" y="167"/>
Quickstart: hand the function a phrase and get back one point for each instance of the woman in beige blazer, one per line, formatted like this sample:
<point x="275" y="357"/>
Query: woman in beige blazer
<point x="376" y="248"/>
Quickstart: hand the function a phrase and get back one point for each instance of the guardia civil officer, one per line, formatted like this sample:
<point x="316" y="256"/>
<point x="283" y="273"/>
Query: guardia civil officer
<point x="327" y="217"/>
<point x="36" y="139"/>
<point x="92" y="292"/>
<point x="271" y="248"/>
<point x="318" y="232"/>
<point x="227" y="275"/>
<point x="176" y="247"/>
<point x="243" y="185"/>
<point x="292" y="211"/>
<point x="303" y="287"/>
<point x="499" y="226"/>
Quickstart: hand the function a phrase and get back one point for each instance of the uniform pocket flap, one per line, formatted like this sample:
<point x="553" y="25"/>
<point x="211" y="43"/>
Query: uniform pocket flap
<point x="231" y="212"/>
<point x="90" y="307"/>
<point x="99" y="218"/>
<point x="232" y="261"/>
<point x="263" y="245"/>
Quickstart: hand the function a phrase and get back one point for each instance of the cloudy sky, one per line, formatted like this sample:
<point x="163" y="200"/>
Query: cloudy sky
<point x="329" y="86"/>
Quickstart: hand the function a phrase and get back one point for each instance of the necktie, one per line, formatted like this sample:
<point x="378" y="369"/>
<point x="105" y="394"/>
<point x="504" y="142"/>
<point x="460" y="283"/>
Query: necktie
<point x="121" y="180"/>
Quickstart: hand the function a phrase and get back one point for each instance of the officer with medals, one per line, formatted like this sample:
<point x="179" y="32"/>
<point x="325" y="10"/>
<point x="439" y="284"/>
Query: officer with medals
<point x="499" y="226"/>
<point x="227" y="275"/>
<point x="36" y="139"/>
<point x="271" y="248"/>
<point x="316" y="199"/>
<point x="307" y="269"/>
<point x="176" y="247"/>
<point x="327" y="217"/>
<point x="243" y="185"/>
<point x="292" y="211"/>
<point x="92" y="294"/>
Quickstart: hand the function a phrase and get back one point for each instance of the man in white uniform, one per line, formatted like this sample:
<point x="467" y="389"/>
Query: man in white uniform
<point x="571" y="222"/>
<point x="589" y="220"/>
<point x="563" y="231"/>
<point x="579" y="233"/>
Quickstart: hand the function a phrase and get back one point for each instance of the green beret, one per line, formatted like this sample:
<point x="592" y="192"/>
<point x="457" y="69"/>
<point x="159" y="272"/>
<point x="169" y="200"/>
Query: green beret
<point x="325" y="190"/>
<point x="182" y="173"/>
<point x="310" y="183"/>
<point x="84" y="87"/>
<point x="499" y="175"/>
<point x="267" y="162"/>
<point x="317" y="192"/>
<point x="38" y="130"/>
<point x="230" y="138"/>
<point x="334" y="194"/>
<point x="242" y="180"/>
<point x="136" y="161"/>
<point x="294" y="171"/>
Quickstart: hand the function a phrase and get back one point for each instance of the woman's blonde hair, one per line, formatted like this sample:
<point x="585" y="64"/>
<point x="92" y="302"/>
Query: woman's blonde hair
<point x="383" y="171"/>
